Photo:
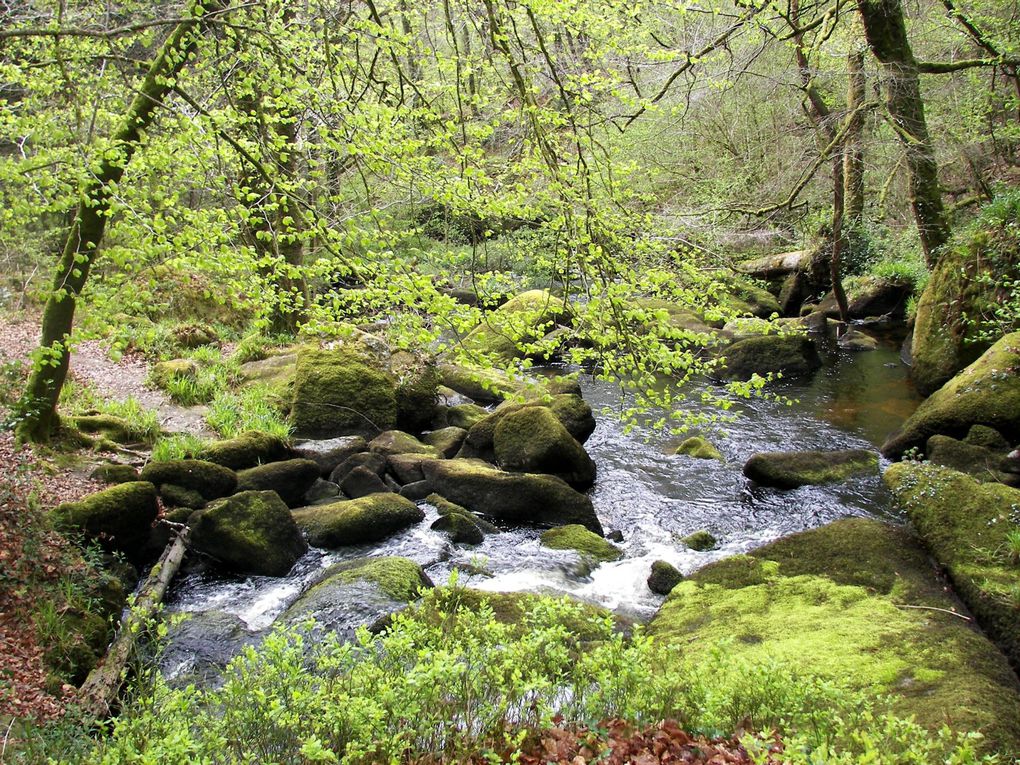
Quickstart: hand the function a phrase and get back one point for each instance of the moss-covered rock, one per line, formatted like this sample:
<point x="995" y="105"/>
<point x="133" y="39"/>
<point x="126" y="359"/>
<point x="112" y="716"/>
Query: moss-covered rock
<point x="989" y="438"/>
<point x="965" y="524"/>
<point x="465" y="415"/>
<point x="194" y="335"/>
<point x="114" y="472"/>
<point x="571" y="410"/>
<point x="522" y="320"/>
<point x="407" y="467"/>
<point x="577" y="537"/>
<point x="741" y="295"/>
<point x="829" y="602"/>
<point x="462" y="528"/>
<point x="341" y="392"/>
<point x="165" y="371"/>
<point x="375" y="462"/>
<point x="179" y="496"/>
<point x="416" y="393"/>
<point x="290" y="479"/>
<point x="116" y="429"/>
<point x="789" y="355"/>
<point x="700" y="541"/>
<point x="788" y="470"/>
<point x="699" y="448"/>
<point x="330" y="452"/>
<point x="978" y="461"/>
<point x="664" y="577"/>
<point x="532" y="440"/>
<point x="358" y="521"/>
<point x="399" y="442"/>
<point x="246" y="450"/>
<point x="446" y="440"/>
<point x="120" y="517"/>
<point x="361" y="482"/>
<point x="210" y="480"/>
<point x="250" y="533"/>
<point x="513" y="497"/>
<point x="986" y="392"/>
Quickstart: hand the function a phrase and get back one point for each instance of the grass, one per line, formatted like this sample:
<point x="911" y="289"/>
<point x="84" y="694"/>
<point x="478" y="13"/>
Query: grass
<point x="232" y="412"/>
<point x="177" y="446"/>
<point x="80" y="399"/>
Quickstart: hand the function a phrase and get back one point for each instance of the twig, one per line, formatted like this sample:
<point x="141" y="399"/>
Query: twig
<point x="933" y="608"/>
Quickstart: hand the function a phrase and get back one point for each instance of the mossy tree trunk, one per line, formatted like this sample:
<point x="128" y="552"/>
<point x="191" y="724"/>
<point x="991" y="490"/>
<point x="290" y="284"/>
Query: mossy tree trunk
<point x="81" y="246"/>
<point x="853" y="154"/>
<point x="886" y="33"/>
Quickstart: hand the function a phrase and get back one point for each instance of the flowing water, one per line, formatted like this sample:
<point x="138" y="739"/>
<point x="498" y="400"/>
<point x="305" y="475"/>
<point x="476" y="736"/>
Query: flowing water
<point x="653" y="497"/>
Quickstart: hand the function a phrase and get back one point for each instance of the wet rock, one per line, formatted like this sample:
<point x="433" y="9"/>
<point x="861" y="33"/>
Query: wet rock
<point x="461" y="528"/>
<point x="577" y="537"/>
<point x="358" y="521"/>
<point x="375" y="462"/>
<point x="398" y="442"/>
<point x="978" y="461"/>
<point x="407" y="467"/>
<point x="321" y="490"/>
<point x="250" y="533"/>
<point x="513" y="497"/>
<point x="416" y="491"/>
<point x="855" y="340"/>
<point x="788" y="470"/>
<point x="830" y="603"/>
<point x="361" y="482"/>
<point x="615" y="536"/>
<point x="200" y="645"/>
<point x="120" y="517"/>
<point x="572" y="411"/>
<point x="330" y="452"/>
<point x="247" y="450"/>
<point x="664" y="577"/>
<point x="417" y="391"/>
<point x="987" y="392"/>
<point x="700" y="541"/>
<point x="446" y="441"/>
<point x="699" y="448"/>
<point x="290" y="479"/>
<point x="876" y="296"/>
<point x="532" y="440"/>
<point x="789" y="355"/>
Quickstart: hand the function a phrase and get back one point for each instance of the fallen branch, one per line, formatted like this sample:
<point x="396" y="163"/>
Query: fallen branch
<point x="933" y="608"/>
<point x="99" y="691"/>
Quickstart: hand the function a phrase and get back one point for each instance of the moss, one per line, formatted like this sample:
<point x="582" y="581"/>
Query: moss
<point x="964" y="524"/>
<point x="663" y="577"/>
<point x="512" y="497"/>
<point x="358" y="521"/>
<point x="251" y="533"/>
<point x="532" y="440"/>
<point x="576" y="537"/>
<point x="989" y="438"/>
<point x="571" y="410"/>
<point x="398" y="442"/>
<point x="194" y="335"/>
<point x="290" y="479"/>
<point x="986" y="392"/>
<point x="246" y="450"/>
<point x="465" y="415"/>
<point x="178" y="496"/>
<point x="828" y="602"/>
<point x="165" y="371"/>
<point x="977" y="461"/>
<point x="114" y="472"/>
<point x="485" y="385"/>
<point x="400" y="578"/>
<point x="699" y="448"/>
<point x="120" y="517"/>
<point x="741" y="295"/>
<point x="523" y="319"/>
<point x="339" y="392"/>
<point x="789" y="355"/>
<point x="700" y="541"/>
<point x="115" y="429"/>
<point x="446" y="440"/>
<point x="461" y="527"/>
<point x="788" y="470"/>
<point x="207" y="478"/>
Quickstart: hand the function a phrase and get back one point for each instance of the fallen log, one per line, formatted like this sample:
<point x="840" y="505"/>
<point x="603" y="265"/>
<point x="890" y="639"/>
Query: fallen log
<point x="99" y="691"/>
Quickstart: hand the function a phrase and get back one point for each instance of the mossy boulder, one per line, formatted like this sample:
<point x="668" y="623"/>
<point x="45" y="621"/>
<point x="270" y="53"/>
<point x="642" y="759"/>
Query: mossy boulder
<point x="416" y="393"/>
<point x="571" y="410"/>
<point x="989" y="438"/>
<point x="663" y="577"/>
<point x="446" y="441"/>
<point x="791" y="355"/>
<point x="741" y="295"/>
<point x="116" y="429"/>
<point x="879" y="296"/>
<point x="372" y="518"/>
<point x="114" y="472"/>
<point x="965" y="524"/>
<point x="251" y="532"/>
<point x="407" y="467"/>
<point x="246" y="450"/>
<point x="165" y="371"/>
<point x="576" y="537"/>
<point x="513" y="497"/>
<point x="120" y="517"/>
<point x="361" y="481"/>
<point x="978" y="461"/>
<point x="987" y="392"/>
<point x="788" y="470"/>
<point x="179" y="496"/>
<point x="330" y="452"/>
<point x="521" y="320"/>
<point x="290" y="479"/>
<point x="375" y="462"/>
<point x="532" y="440"/>
<point x="485" y="385"/>
<point x="700" y="541"/>
<point x="341" y="392"/>
<point x="829" y="602"/>
<point x="399" y="442"/>
<point x="965" y="285"/>
<point x="210" y="480"/>
<point x="461" y="527"/>
<point x="465" y="415"/>
<point x="194" y="335"/>
<point x="699" y="448"/>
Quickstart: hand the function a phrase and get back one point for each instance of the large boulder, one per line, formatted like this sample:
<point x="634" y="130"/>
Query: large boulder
<point x="576" y="537"/>
<point x="773" y="267"/>
<point x="250" y="533"/>
<point x="788" y="470"/>
<point x="741" y="295"/>
<point x="399" y="442"/>
<point x="520" y="321"/>
<point x="417" y="391"/>
<point x="982" y="463"/>
<point x="571" y="410"/>
<point x="790" y="355"/>
<point x="446" y="440"/>
<point x="120" y="517"/>
<point x="533" y="440"/>
<point x="246" y="450"/>
<point x="830" y="603"/>
<point x="290" y="479"/>
<point x="965" y="287"/>
<point x="341" y="392"/>
<point x="967" y="526"/>
<point x="987" y="392"/>
<point x="372" y="518"/>
<point x="210" y="480"/>
<point x="513" y="497"/>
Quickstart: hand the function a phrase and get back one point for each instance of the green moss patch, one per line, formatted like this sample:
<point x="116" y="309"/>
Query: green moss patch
<point x="576" y="537"/>
<point x="119" y="517"/>
<point x="207" y="478"/>
<point x="358" y="521"/>
<point x="533" y="440"/>
<point x="246" y="450"/>
<point x="699" y="448"/>
<point x="788" y="470"/>
<point x="787" y="355"/>
<point x="400" y="578"/>
<point x="700" y="541"/>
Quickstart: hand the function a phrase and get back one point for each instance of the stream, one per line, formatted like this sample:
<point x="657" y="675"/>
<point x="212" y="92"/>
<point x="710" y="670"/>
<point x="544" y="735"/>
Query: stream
<point x="650" y="495"/>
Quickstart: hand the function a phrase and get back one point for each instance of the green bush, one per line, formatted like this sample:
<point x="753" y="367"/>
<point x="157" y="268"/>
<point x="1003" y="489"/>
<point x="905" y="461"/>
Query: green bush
<point x="448" y="681"/>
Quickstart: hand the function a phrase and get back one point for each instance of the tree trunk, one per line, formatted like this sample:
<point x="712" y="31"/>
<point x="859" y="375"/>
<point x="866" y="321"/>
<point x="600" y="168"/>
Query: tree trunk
<point x="853" y="155"/>
<point x="886" y="32"/>
<point x="99" y="691"/>
<point x="39" y="401"/>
